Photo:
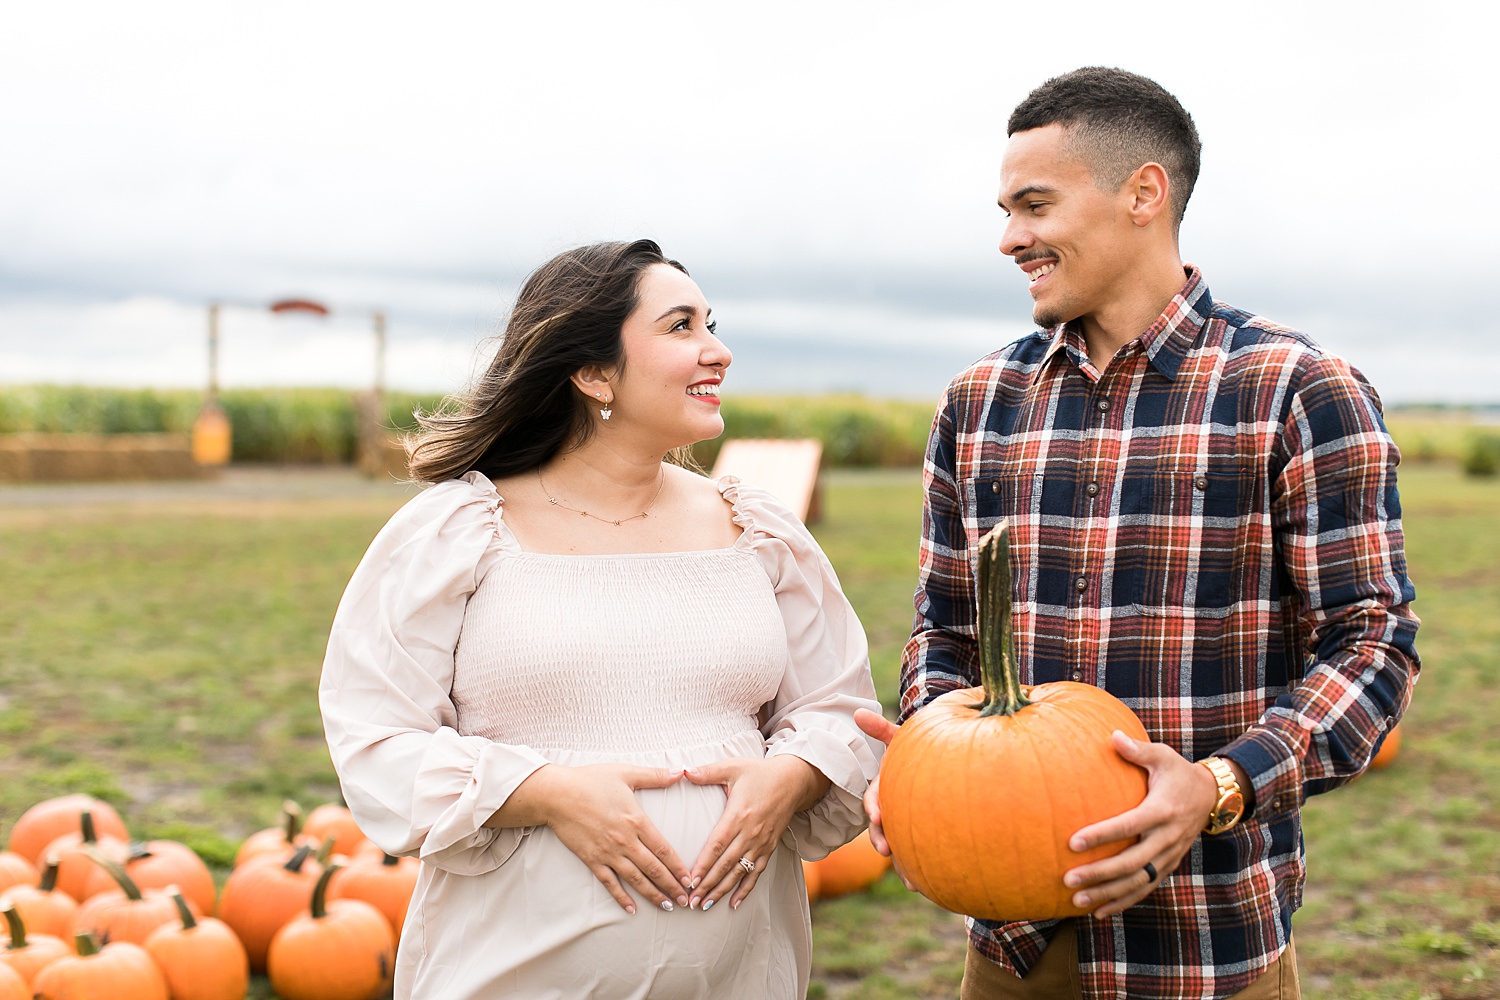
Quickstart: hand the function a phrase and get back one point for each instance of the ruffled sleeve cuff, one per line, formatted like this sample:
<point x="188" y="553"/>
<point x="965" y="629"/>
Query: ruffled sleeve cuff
<point x="828" y="672"/>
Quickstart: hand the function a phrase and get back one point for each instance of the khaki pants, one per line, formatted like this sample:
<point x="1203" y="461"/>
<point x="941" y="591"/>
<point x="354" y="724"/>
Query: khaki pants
<point x="1055" y="977"/>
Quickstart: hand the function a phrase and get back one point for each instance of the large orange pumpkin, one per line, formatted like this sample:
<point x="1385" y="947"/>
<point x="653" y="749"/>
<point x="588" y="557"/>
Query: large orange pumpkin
<point x="981" y="789"/>
<point x="855" y="866"/>
<point x="260" y="896"/>
<point x="120" y="971"/>
<point x="44" y="908"/>
<point x="46" y="821"/>
<point x="339" y="950"/>
<point x="200" y="957"/>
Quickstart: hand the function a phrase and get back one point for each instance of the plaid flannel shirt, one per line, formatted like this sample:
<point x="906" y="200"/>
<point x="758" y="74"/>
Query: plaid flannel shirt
<point x="1209" y="529"/>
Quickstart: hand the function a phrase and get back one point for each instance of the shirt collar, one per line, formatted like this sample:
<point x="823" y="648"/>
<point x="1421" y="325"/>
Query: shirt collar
<point x="1166" y="341"/>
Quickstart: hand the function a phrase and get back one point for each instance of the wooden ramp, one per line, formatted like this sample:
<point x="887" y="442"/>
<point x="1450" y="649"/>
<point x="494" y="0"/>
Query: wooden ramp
<point x="787" y="468"/>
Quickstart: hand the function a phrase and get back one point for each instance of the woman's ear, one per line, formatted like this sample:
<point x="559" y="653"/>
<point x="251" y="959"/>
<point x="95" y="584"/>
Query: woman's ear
<point x="593" y="381"/>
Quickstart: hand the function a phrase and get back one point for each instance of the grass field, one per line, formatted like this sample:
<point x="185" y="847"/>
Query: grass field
<point x="164" y="655"/>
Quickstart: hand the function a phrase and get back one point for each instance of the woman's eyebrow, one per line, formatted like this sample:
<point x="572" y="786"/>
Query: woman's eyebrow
<point x="690" y="310"/>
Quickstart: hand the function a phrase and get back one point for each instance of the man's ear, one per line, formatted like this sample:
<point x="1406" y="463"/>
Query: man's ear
<point x="1148" y="194"/>
<point x="594" y="381"/>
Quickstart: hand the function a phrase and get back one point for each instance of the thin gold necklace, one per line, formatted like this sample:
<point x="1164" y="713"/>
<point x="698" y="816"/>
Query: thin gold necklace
<point x="661" y="481"/>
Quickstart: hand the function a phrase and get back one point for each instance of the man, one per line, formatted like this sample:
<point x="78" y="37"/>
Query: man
<point x="1204" y="522"/>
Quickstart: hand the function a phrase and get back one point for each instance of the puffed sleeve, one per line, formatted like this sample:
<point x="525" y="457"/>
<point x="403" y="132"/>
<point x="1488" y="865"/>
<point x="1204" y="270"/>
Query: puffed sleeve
<point x="828" y="673"/>
<point x="415" y="786"/>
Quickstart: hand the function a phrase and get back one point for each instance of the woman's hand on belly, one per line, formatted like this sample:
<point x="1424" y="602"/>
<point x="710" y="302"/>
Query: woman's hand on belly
<point x="593" y="811"/>
<point x="763" y="796"/>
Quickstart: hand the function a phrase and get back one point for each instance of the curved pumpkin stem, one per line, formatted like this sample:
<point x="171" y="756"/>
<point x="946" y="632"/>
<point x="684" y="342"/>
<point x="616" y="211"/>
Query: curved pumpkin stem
<point x="298" y="859"/>
<point x="117" y="872"/>
<point x="320" y="891"/>
<point x="16" y="926"/>
<point x="998" y="670"/>
<point x="86" y="944"/>
<point x="183" y="913"/>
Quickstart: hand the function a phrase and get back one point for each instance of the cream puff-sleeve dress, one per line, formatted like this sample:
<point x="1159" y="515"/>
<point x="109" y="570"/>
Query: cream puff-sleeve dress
<point x="458" y="664"/>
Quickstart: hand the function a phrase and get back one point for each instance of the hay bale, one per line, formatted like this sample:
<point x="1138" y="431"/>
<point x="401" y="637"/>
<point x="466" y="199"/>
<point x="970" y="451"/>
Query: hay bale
<point x="62" y="458"/>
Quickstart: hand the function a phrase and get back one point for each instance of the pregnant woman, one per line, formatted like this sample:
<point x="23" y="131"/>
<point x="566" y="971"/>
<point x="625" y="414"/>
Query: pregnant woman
<point x="607" y="701"/>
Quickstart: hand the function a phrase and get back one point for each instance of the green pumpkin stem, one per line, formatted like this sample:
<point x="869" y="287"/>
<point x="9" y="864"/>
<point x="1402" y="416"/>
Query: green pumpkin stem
<point x="86" y="828"/>
<point x="320" y="891"/>
<point x="291" y="820"/>
<point x="86" y="944"/>
<point x="389" y="860"/>
<point x="183" y="913"/>
<point x="49" y="875"/>
<point x="117" y="872"/>
<point x="325" y="849"/>
<point x="298" y="858"/>
<point x="17" y="928"/>
<point x="998" y="670"/>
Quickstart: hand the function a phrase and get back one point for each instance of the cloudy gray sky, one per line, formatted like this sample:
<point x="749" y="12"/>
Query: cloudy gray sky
<point x="827" y="171"/>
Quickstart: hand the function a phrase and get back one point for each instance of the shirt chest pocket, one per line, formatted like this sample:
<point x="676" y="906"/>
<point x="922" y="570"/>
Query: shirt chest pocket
<point x="1186" y="531"/>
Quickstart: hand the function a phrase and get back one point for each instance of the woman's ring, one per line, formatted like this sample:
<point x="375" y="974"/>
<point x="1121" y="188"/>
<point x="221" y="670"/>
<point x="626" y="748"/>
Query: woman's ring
<point x="748" y="865"/>
<point x="1150" y="872"/>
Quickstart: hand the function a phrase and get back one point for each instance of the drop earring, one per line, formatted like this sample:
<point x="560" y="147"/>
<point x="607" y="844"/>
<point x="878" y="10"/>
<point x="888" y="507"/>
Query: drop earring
<point x="605" y="411"/>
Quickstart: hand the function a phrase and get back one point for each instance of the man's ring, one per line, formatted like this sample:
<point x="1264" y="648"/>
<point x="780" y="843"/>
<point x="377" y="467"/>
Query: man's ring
<point x="1150" y="872"/>
<point x="748" y="865"/>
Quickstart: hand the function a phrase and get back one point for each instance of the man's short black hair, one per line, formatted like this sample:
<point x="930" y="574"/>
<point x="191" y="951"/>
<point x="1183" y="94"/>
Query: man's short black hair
<point x="1117" y="121"/>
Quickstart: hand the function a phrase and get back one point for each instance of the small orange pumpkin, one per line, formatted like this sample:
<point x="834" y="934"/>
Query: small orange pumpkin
<point x="336" y="821"/>
<point x="75" y="865"/>
<point x="855" y="866"/>
<point x="260" y="896"/>
<point x="386" y="884"/>
<point x="200" y="957"/>
<point x="12" y="986"/>
<point x="338" y="950"/>
<point x="279" y="842"/>
<point x="46" y="821"/>
<point x="44" y="908"/>
<point x="156" y="864"/>
<point x="16" y="870"/>
<point x="1390" y="748"/>
<point x="27" y="954"/>
<point x="120" y="970"/>
<point x="125" y="913"/>
<point x="979" y="800"/>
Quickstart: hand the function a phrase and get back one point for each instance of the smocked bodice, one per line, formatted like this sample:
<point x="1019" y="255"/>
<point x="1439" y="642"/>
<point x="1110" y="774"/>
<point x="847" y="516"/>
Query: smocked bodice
<point x="619" y="654"/>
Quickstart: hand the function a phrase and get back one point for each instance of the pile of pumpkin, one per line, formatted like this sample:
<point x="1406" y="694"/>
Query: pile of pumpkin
<point x="90" y="913"/>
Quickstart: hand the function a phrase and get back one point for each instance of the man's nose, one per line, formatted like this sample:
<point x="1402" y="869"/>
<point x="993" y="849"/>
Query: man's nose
<point x="1015" y="238"/>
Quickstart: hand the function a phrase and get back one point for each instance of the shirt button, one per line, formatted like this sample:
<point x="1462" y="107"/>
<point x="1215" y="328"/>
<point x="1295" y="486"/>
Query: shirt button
<point x="995" y="486"/>
<point x="1092" y="489"/>
<point x="1078" y="675"/>
<point x="1103" y="405"/>
<point x="1200" y="483"/>
<point x="1081" y="584"/>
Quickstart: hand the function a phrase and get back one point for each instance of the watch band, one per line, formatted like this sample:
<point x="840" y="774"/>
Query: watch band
<point x="1230" y="806"/>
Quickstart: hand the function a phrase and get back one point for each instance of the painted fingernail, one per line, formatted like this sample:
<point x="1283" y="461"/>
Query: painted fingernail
<point x="630" y="910"/>
<point x="693" y="903"/>
<point x="708" y="904"/>
<point x="682" y="901"/>
<point x="736" y="904"/>
<point x="666" y="904"/>
<point x="1081" y="900"/>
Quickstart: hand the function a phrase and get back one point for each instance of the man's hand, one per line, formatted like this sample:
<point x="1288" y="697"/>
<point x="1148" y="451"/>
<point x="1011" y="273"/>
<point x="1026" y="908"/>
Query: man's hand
<point x="884" y="730"/>
<point x="1179" y="798"/>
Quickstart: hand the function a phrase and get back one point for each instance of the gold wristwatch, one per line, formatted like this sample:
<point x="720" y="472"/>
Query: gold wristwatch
<point x="1231" y="804"/>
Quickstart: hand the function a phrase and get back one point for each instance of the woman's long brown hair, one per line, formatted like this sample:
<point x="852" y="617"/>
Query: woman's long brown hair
<point x="525" y="408"/>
